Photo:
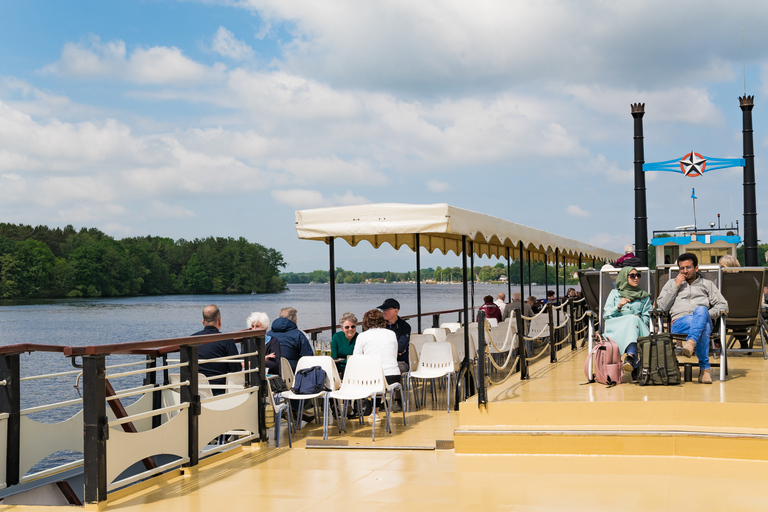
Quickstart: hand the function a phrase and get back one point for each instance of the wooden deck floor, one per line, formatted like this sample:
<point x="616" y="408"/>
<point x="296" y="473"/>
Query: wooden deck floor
<point x="406" y="472"/>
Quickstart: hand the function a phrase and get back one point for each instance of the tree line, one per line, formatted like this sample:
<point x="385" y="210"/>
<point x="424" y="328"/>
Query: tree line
<point x="448" y="274"/>
<point x="44" y="262"/>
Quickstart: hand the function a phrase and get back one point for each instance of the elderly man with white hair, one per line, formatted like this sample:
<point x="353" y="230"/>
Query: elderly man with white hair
<point x="256" y="321"/>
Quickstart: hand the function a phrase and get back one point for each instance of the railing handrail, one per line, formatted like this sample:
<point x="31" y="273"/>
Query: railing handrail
<point x="167" y="343"/>
<point x="20" y="348"/>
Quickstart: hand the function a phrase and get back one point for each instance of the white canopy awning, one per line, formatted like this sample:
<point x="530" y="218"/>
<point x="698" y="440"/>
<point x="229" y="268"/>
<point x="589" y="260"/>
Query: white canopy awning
<point x="440" y="227"/>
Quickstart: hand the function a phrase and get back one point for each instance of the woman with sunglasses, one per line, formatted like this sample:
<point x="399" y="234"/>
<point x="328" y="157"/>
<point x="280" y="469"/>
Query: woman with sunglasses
<point x="626" y="314"/>
<point x="343" y="342"/>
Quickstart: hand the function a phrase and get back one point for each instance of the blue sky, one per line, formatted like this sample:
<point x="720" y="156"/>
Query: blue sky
<point x="190" y="118"/>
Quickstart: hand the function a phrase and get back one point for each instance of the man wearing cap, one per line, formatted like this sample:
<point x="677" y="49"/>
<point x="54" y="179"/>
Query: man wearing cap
<point x="390" y="309"/>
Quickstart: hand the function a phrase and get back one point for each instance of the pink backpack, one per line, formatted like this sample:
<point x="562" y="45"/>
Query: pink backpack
<point x="608" y="367"/>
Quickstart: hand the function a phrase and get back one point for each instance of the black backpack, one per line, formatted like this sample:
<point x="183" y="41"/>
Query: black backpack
<point x="658" y="362"/>
<point x="309" y="381"/>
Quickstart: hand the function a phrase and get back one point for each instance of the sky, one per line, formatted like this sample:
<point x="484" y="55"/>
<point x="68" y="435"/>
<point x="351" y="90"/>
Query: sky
<point x="189" y="119"/>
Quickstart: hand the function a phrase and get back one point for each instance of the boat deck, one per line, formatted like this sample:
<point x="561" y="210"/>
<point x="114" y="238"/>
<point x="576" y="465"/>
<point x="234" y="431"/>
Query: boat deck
<point x="548" y="443"/>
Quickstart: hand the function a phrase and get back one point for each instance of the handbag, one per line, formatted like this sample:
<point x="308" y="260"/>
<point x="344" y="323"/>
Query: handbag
<point x="277" y="384"/>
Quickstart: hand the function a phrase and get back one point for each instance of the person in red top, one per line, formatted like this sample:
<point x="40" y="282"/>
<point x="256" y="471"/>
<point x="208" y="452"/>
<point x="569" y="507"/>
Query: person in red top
<point x="491" y="309"/>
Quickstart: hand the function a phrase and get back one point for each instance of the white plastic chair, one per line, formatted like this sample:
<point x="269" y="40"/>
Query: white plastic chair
<point x="436" y="361"/>
<point x="451" y="326"/>
<point x="331" y="382"/>
<point x="438" y="332"/>
<point x="363" y="378"/>
<point x="419" y="340"/>
<point x="493" y="322"/>
<point x="280" y="406"/>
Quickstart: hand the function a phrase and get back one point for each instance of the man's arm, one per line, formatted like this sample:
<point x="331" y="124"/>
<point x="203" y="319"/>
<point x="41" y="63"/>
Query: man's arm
<point x="668" y="295"/>
<point x="404" y="338"/>
<point x="717" y="303"/>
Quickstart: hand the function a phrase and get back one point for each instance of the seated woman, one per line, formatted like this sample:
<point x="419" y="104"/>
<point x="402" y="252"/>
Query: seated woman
<point x="258" y="320"/>
<point x="490" y="308"/>
<point x="343" y="342"/>
<point x="626" y="314"/>
<point x="376" y="339"/>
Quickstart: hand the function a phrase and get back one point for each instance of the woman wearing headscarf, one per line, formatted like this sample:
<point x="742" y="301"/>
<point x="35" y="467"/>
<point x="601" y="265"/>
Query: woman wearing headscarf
<point x="627" y="313"/>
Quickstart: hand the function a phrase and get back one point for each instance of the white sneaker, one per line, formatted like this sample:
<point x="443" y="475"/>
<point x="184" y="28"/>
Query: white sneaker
<point x="374" y="417"/>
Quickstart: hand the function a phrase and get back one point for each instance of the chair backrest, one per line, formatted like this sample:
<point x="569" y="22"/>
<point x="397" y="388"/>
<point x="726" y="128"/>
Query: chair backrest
<point x="708" y="271"/>
<point x="438" y="332"/>
<point x="608" y="282"/>
<point x="364" y="375"/>
<point x="457" y="338"/>
<point x="437" y="356"/>
<point x="332" y="380"/>
<point x="237" y="379"/>
<point x="413" y="356"/>
<point x="493" y="322"/>
<point x="742" y="287"/>
<point x="589" y="280"/>
<point x="451" y="326"/>
<point x="286" y="372"/>
<point x="419" y="340"/>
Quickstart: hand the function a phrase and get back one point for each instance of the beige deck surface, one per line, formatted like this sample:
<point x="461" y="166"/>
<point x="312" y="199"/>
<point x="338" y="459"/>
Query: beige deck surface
<point x="301" y="478"/>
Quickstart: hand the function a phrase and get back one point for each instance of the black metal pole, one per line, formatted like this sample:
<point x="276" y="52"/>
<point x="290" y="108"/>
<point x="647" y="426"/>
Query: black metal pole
<point x="472" y="278"/>
<point x="191" y="395"/>
<point x="95" y="429"/>
<point x="641" y="217"/>
<point x="557" y="284"/>
<point x="465" y="291"/>
<point x="552" y="337"/>
<point x="750" y="205"/>
<point x="522" y="279"/>
<point x="10" y="403"/>
<point x="418" y="284"/>
<point x="157" y="396"/>
<point x="546" y="277"/>
<point x="509" y="278"/>
<point x="529" y="275"/>
<point x="522" y="344"/>
<point x="332" y="282"/>
<point x="482" y="399"/>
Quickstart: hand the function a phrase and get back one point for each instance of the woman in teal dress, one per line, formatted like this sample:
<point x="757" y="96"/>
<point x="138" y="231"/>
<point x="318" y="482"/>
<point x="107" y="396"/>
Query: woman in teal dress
<point x="626" y="314"/>
<point x="343" y="342"/>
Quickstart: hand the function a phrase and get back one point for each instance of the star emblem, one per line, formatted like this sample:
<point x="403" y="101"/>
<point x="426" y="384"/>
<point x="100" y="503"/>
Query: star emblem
<point x="693" y="164"/>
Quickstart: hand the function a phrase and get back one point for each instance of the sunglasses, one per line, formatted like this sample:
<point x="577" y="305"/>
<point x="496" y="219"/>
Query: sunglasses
<point x="635" y="275"/>
<point x="350" y="327"/>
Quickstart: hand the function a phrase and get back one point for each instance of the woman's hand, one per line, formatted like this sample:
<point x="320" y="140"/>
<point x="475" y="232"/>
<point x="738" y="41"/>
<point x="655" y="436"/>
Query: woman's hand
<point x="623" y="302"/>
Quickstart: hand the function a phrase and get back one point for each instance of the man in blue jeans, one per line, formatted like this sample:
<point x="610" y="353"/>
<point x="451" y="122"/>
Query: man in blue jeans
<point x="693" y="302"/>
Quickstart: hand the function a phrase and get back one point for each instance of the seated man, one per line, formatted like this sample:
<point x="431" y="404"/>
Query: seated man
<point x="517" y="302"/>
<point x="293" y="343"/>
<point x="222" y="348"/>
<point x="391" y="310"/>
<point x="501" y="302"/>
<point x="692" y="303"/>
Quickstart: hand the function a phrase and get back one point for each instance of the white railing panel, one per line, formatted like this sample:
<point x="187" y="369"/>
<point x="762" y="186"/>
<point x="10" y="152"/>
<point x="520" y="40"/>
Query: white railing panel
<point x="124" y="449"/>
<point x="38" y="440"/>
<point x="238" y="412"/>
<point x="143" y="404"/>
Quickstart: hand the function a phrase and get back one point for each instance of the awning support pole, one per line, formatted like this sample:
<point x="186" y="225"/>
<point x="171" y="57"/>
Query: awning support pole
<point x="530" y="294"/>
<point x="332" y="274"/>
<point x="418" y="283"/>
<point x="472" y="278"/>
<point x="465" y="363"/>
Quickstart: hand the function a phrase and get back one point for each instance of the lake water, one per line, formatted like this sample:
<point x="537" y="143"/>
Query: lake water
<point x="100" y="321"/>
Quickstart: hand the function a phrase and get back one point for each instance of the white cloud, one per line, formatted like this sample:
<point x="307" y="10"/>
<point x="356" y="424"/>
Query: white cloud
<point x="227" y="45"/>
<point x="437" y="186"/>
<point x="169" y="211"/>
<point x="329" y="170"/>
<point x="575" y="211"/>
<point x="153" y="65"/>
<point x="302" y="199"/>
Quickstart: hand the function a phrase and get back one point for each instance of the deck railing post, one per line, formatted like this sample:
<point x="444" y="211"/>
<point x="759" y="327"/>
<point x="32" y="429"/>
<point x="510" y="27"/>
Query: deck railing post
<point x="571" y="311"/>
<point x="95" y="428"/>
<point x="150" y="379"/>
<point x="258" y="343"/>
<point x="552" y="337"/>
<point x="10" y="403"/>
<point x="521" y="343"/>
<point x="191" y="395"/>
<point x="482" y="399"/>
<point x="435" y="321"/>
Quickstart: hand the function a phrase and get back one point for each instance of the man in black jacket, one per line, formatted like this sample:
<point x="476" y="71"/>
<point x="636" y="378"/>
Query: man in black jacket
<point x="391" y="310"/>
<point x="223" y="348"/>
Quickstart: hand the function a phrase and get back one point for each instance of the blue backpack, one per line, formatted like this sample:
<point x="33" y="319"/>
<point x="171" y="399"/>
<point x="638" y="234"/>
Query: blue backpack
<point x="309" y="381"/>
